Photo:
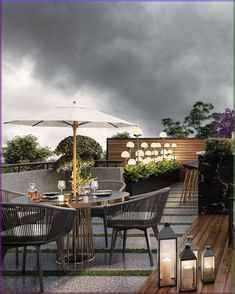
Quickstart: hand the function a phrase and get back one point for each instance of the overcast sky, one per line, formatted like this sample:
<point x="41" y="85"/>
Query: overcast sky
<point x="138" y="61"/>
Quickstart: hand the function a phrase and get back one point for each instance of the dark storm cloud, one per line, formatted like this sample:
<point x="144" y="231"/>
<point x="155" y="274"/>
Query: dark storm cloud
<point x="155" y="60"/>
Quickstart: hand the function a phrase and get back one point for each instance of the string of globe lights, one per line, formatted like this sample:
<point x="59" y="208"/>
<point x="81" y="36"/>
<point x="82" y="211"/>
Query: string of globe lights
<point x="144" y="154"/>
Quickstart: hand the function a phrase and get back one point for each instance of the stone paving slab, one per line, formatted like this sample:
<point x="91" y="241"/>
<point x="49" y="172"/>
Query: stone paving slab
<point x="83" y="284"/>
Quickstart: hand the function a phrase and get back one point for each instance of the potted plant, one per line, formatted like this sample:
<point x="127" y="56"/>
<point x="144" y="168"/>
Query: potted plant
<point x="88" y="150"/>
<point x="143" y="178"/>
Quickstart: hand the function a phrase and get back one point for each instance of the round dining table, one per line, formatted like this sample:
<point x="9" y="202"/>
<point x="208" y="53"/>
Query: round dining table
<point x="79" y="245"/>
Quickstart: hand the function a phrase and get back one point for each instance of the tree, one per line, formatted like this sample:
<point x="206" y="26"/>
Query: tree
<point x="200" y="120"/>
<point x="123" y="135"/>
<point x="87" y="149"/>
<point x="174" y="129"/>
<point x="25" y="149"/>
<point x="224" y="124"/>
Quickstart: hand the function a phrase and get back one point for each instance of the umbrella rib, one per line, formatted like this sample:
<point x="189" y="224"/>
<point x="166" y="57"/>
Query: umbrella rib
<point x="34" y="125"/>
<point x="65" y="122"/>
<point x="113" y="125"/>
<point x="83" y="123"/>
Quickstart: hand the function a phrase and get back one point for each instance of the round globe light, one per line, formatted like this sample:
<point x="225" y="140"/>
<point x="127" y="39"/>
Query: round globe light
<point x="144" y="145"/>
<point x="158" y="145"/>
<point x="159" y="158"/>
<point x="148" y="153"/>
<point x="163" y="135"/>
<point x="173" y="145"/>
<point x="170" y="157"/>
<point x="125" y="154"/>
<point x="170" y="151"/>
<point x="155" y="152"/>
<point x="148" y="159"/>
<point x="164" y="151"/>
<point x="140" y="159"/>
<point x="139" y="153"/>
<point x="131" y="162"/>
<point x="137" y="132"/>
<point x="167" y="145"/>
<point x="153" y="145"/>
<point x="130" y="144"/>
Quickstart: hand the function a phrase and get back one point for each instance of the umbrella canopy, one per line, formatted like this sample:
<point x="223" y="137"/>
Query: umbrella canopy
<point x="74" y="116"/>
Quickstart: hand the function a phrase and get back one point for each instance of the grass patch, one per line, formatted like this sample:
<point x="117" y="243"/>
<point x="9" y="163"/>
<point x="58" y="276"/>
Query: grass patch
<point x="86" y="272"/>
<point x="98" y="250"/>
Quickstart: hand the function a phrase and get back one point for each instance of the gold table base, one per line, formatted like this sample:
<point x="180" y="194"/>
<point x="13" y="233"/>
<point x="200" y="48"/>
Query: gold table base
<point x="80" y="245"/>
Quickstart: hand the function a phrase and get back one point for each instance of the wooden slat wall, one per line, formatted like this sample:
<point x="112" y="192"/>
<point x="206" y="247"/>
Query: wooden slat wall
<point x="185" y="151"/>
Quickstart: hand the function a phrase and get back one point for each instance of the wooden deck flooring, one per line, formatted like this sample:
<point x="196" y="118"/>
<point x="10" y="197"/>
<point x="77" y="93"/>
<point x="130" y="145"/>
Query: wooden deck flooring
<point x="206" y="230"/>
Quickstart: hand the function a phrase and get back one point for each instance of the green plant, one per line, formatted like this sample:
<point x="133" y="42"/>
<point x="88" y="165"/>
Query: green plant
<point x="142" y="171"/>
<point x="218" y="147"/>
<point x="87" y="149"/>
<point x="123" y="135"/>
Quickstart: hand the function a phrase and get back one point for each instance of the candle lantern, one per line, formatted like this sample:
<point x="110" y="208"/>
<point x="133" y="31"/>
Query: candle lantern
<point x="192" y="246"/>
<point x="167" y="257"/>
<point x="187" y="270"/>
<point x="208" y="265"/>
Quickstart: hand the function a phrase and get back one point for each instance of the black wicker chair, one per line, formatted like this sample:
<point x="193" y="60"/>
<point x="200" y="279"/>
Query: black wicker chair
<point x="98" y="211"/>
<point x="141" y="213"/>
<point x="35" y="225"/>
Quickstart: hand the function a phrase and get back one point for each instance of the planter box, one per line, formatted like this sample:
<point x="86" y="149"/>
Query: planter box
<point x="152" y="183"/>
<point x="215" y="185"/>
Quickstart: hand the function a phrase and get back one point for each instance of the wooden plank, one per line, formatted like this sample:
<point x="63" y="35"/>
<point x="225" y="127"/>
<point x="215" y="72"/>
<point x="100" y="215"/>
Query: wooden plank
<point x="223" y="272"/>
<point x="206" y="230"/>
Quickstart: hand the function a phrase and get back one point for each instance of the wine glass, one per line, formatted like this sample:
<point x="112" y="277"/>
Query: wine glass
<point x="94" y="187"/>
<point x="61" y="186"/>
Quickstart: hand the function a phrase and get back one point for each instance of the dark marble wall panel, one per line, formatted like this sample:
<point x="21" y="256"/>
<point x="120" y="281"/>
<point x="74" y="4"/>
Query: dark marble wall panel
<point x="215" y="184"/>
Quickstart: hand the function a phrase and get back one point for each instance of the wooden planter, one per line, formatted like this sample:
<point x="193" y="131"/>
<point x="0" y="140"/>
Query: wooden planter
<point x="215" y="184"/>
<point x="152" y="183"/>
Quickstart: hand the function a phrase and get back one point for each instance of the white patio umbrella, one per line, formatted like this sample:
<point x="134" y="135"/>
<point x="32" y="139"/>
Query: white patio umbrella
<point x="72" y="116"/>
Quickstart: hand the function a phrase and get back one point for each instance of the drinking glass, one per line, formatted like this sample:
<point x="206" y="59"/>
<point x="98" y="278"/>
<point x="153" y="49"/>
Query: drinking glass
<point x="61" y="186"/>
<point x="94" y="187"/>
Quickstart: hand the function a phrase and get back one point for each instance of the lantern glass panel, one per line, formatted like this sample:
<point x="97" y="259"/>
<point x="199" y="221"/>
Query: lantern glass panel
<point x="167" y="259"/>
<point x="188" y="275"/>
<point x="208" y="269"/>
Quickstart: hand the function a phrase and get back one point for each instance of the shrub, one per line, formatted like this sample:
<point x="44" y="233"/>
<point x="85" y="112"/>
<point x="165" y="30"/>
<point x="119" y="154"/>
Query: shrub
<point x="142" y="171"/>
<point x="218" y="147"/>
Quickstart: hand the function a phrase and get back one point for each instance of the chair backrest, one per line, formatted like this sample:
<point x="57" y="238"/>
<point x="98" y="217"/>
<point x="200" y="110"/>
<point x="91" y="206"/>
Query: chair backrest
<point x="112" y="185"/>
<point x="8" y="195"/>
<point x="146" y="210"/>
<point x="34" y="223"/>
<point x="107" y="173"/>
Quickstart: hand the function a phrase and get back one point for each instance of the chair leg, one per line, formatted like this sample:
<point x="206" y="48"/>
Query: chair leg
<point x="17" y="256"/>
<point x="40" y="268"/>
<point x="24" y="260"/>
<point x="105" y="234"/>
<point x="113" y="242"/>
<point x="124" y="241"/>
<point x="155" y="231"/>
<point x="60" y="249"/>
<point x="4" y="252"/>
<point x="146" y="232"/>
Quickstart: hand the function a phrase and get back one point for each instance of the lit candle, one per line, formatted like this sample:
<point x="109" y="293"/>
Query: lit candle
<point x="187" y="278"/>
<point x="166" y="270"/>
<point x="208" y="272"/>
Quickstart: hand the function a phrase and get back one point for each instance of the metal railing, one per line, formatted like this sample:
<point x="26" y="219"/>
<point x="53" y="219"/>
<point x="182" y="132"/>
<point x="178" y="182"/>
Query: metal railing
<point x="6" y="168"/>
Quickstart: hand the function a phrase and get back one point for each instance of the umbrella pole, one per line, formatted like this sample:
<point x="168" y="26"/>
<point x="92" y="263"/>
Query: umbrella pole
<point x="75" y="126"/>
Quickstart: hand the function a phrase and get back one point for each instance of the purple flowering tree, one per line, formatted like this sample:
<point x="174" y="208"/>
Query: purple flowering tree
<point x="224" y="124"/>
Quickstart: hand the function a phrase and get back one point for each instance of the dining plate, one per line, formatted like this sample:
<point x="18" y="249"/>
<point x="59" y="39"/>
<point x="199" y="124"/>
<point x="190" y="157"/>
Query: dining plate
<point x="103" y="192"/>
<point x="50" y="195"/>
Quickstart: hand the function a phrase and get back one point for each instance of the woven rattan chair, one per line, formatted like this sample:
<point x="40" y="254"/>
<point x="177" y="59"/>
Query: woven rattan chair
<point x="35" y="225"/>
<point x="98" y="211"/>
<point x="141" y="213"/>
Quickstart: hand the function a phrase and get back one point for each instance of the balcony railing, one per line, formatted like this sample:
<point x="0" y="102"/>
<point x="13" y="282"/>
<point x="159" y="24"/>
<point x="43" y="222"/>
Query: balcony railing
<point x="18" y="167"/>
